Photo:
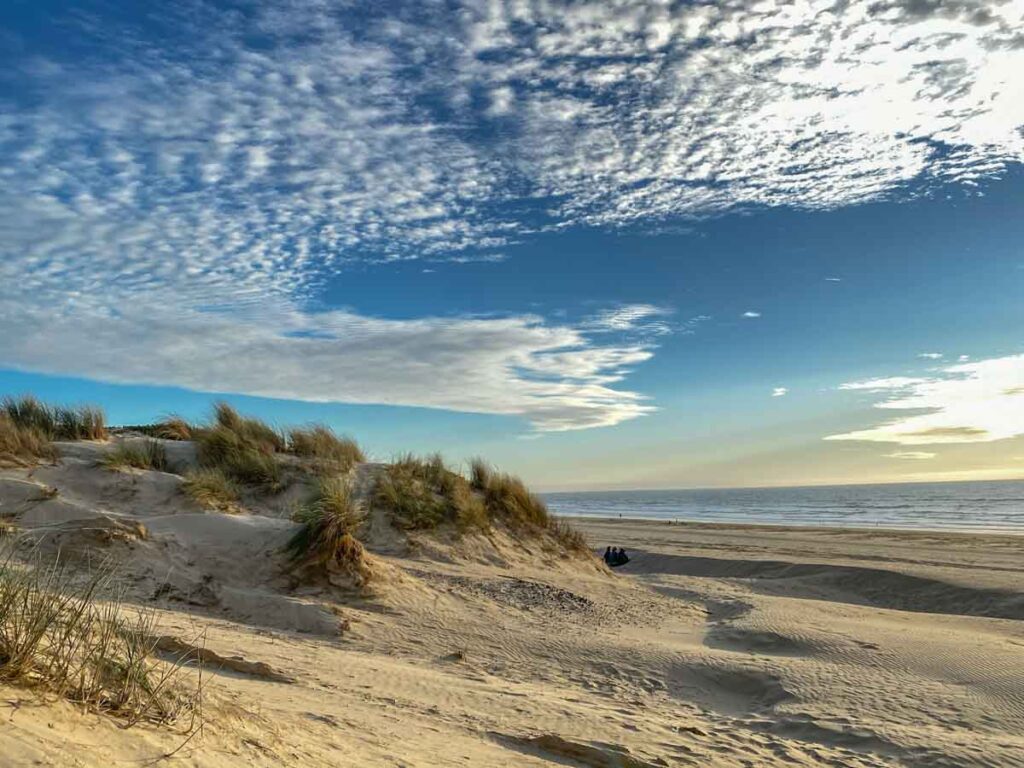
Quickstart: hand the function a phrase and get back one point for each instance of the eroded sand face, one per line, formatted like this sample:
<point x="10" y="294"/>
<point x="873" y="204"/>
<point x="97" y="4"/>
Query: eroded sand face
<point x="716" y="645"/>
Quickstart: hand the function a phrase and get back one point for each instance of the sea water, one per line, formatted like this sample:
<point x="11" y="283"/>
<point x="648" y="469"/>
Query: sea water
<point x="968" y="506"/>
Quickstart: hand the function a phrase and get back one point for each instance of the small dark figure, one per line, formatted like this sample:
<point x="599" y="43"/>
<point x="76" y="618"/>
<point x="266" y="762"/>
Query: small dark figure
<point x="608" y="556"/>
<point x="623" y="558"/>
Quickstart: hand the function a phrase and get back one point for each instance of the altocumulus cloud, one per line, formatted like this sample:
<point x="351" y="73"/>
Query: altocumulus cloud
<point x="226" y="163"/>
<point x="966" y="403"/>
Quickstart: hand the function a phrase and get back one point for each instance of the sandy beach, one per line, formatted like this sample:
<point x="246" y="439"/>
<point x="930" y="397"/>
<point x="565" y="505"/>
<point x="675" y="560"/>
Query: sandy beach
<point x="716" y="645"/>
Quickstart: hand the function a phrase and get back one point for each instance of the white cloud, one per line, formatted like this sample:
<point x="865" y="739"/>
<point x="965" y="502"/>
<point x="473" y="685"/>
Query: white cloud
<point x="231" y="181"/>
<point x="552" y="376"/>
<point x="750" y="314"/>
<point x="501" y="101"/>
<point x="931" y="355"/>
<point x="972" y="402"/>
<point x="780" y="391"/>
<point x="911" y="455"/>
<point x="833" y="279"/>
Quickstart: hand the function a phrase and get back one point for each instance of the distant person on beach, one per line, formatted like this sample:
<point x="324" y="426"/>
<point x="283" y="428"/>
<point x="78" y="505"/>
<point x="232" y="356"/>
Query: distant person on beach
<point x="621" y="559"/>
<point x="608" y="556"/>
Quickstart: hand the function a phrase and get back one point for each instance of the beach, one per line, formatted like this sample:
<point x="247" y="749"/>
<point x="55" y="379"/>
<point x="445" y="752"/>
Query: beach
<point x="715" y="645"/>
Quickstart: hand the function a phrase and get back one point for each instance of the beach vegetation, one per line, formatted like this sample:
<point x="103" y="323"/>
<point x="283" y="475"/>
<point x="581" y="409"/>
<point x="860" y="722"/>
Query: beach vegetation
<point x="21" y="444"/>
<point x="55" y="422"/>
<point x="212" y="489"/>
<point x="328" y="451"/>
<point x="423" y="493"/>
<point x="327" y="539"/>
<point x="174" y="428"/>
<point x="242" y="448"/>
<point x="64" y="635"/>
<point x="137" y="454"/>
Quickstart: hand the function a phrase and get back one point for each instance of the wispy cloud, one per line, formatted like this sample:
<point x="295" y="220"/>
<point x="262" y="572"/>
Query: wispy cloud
<point x="833" y="279"/>
<point x="751" y="314"/>
<point x="911" y="455"/>
<point x="552" y="376"/>
<point x="632" y="317"/>
<point x="780" y="391"/>
<point x="230" y="169"/>
<point x="931" y="355"/>
<point x="971" y="402"/>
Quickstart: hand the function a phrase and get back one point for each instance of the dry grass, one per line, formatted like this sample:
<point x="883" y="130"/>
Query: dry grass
<point x="174" y="428"/>
<point x="423" y="493"/>
<point x="57" y="635"/>
<point x="572" y="539"/>
<point x="20" y="445"/>
<point x="55" y="423"/>
<point x="251" y="430"/>
<point x="212" y="489"/>
<point x="242" y="448"/>
<point x="507" y="497"/>
<point x="330" y="452"/>
<point x="327" y="539"/>
<point x="142" y="454"/>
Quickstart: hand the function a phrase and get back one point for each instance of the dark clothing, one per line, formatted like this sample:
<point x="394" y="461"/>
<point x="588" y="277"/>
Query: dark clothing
<point x="615" y="557"/>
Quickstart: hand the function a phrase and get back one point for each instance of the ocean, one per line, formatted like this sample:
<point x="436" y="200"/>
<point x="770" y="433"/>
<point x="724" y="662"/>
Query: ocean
<point x="969" y="506"/>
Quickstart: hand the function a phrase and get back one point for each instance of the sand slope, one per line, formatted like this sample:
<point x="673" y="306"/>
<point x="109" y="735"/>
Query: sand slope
<point x="717" y="645"/>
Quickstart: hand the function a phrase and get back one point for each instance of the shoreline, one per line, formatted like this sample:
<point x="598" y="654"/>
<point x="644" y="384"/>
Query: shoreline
<point x="793" y="527"/>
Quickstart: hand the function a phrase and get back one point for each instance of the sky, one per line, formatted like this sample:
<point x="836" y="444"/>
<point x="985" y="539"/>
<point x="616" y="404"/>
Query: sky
<point x="603" y="244"/>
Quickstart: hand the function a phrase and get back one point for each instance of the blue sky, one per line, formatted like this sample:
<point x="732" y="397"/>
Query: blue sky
<point x="607" y="244"/>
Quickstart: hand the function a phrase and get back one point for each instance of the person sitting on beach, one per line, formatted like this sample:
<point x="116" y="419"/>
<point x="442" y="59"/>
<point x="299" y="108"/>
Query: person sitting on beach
<point x="608" y="556"/>
<point x="616" y="557"/>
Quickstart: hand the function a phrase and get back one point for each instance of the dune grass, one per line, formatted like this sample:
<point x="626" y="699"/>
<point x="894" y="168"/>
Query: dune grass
<point x="141" y="454"/>
<point x="423" y="493"/>
<point x="243" y="449"/>
<point x="251" y="430"/>
<point x="55" y="422"/>
<point x="58" y="635"/>
<point x="329" y="452"/>
<point x="174" y="428"/>
<point x="212" y="489"/>
<point x="327" y="538"/>
<point x="20" y="445"/>
<point x="506" y="496"/>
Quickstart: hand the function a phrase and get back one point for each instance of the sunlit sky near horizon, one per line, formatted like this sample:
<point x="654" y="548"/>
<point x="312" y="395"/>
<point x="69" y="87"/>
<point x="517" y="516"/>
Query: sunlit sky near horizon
<point x="604" y="244"/>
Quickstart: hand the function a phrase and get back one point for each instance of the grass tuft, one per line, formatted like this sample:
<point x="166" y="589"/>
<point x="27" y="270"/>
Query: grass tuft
<point x="572" y="539"/>
<point x="423" y="493"/>
<point x="57" y="634"/>
<point x="243" y="449"/>
<point x="174" y="428"/>
<point x="507" y="497"/>
<point x="327" y="536"/>
<point x="55" y="423"/>
<point x="142" y="454"/>
<point x="22" y="445"/>
<point x="330" y="452"/>
<point x="251" y="430"/>
<point x="212" y="489"/>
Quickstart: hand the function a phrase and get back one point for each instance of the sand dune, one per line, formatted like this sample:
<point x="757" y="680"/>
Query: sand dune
<point x="716" y="645"/>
